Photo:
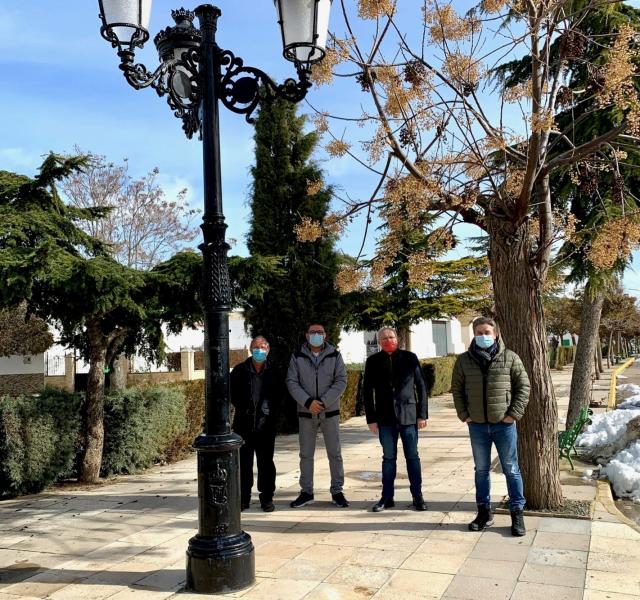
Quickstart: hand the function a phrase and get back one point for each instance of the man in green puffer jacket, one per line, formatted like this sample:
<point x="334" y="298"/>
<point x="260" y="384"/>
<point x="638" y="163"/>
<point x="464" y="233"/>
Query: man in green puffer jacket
<point x="490" y="391"/>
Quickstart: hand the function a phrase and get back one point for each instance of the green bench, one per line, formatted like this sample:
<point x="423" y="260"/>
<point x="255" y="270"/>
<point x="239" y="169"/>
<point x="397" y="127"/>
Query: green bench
<point x="567" y="439"/>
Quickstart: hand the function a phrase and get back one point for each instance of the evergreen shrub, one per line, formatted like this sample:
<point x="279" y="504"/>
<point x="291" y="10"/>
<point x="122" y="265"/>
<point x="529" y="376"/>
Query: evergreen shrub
<point x="39" y="439"/>
<point x="181" y="445"/>
<point x="437" y="374"/>
<point x="350" y="402"/>
<point x="141" y="425"/>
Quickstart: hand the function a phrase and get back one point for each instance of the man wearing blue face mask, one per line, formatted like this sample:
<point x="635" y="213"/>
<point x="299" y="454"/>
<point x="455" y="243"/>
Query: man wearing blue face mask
<point x="490" y="390"/>
<point x="316" y="380"/>
<point x="254" y="393"/>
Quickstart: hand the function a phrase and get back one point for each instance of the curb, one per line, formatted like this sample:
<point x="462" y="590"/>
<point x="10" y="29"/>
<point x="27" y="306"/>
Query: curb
<point x="611" y="404"/>
<point x="604" y="496"/>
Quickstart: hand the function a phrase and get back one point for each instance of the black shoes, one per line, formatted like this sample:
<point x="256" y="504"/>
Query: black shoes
<point x="267" y="505"/>
<point x="339" y="500"/>
<point x="517" y="523"/>
<point x="302" y="500"/>
<point x="419" y="503"/>
<point x="382" y="504"/>
<point x="483" y="519"/>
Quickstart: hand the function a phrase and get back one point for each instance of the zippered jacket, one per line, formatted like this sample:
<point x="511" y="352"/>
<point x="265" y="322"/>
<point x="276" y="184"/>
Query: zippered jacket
<point x="487" y="391"/>
<point x="394" y="389"/>
<point x="248" y="417"/>
<point x="323" y="378"/>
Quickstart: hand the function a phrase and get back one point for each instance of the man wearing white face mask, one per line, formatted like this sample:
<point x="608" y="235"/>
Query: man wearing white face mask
<point x="316" y="380"/>
<point x="490" y="390"/>
<point x="254" y="393"/>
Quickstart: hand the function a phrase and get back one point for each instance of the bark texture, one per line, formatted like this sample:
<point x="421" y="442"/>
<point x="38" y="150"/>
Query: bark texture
<point x="518" y="301"/>
<point x="583" y="364"/>
<point x="94" y="406"/>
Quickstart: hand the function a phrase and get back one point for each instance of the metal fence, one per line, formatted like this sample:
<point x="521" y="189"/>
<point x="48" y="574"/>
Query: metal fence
<point x="54" y="365"/>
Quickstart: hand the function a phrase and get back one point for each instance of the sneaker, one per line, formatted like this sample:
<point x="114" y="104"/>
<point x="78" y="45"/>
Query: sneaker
<point x="339" y="500"/>
<point x="382" y="504"/>
<point x="302" y="500"/>
<point x="419" y="503"/>
<point x="483" y="519"/>
<point x="268" y="505"/>
<point x="517" y="523"/>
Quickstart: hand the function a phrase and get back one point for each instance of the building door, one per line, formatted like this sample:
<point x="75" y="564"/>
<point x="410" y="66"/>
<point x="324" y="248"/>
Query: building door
<point x="439" y="329"/>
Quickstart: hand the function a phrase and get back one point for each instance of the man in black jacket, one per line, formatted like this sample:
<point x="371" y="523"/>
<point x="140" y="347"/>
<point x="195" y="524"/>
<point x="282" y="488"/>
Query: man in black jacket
<point x="254" y="393"/>
<point x="395" y="402"/>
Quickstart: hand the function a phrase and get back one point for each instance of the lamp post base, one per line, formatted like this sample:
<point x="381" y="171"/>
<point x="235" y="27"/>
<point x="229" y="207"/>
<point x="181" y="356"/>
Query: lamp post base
<point x="220" y="557"/>
<point x="220" y="565"/>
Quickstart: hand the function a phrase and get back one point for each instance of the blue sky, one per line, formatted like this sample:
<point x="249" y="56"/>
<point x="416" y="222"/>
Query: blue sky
<point x="63" y="88"/>
<point x="60" y="86"/>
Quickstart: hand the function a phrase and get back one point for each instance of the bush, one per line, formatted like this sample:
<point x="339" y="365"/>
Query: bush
<point x="181" y="445"/>
<point x="350" y="401"/>
<point x="141" y="425"/>
<point x="38" y="440"/>
<point x="437" y="374"/>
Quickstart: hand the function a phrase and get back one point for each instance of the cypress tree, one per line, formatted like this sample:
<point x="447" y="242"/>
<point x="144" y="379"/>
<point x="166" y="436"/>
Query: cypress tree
<point x="287" y="186"/>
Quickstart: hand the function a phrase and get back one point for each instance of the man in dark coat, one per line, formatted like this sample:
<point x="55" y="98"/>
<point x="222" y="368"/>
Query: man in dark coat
<point x="490" y="390"/>
<point x="254" y="394"/>
<point x="395" y="402"/>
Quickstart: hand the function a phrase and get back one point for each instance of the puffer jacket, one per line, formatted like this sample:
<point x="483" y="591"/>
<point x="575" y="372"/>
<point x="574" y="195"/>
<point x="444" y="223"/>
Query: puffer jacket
<point x="488" y="391"/>
<point x="324" y="378"/>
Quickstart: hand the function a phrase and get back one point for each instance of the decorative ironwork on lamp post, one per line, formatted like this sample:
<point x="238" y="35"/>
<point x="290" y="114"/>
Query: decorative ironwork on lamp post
<point x="194" y="74"/>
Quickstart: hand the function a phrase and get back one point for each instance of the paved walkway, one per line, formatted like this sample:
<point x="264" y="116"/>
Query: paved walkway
<point x="127" y="540"/>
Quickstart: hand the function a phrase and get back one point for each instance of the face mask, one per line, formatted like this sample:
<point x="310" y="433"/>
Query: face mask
<point x="389" y="345"/>
<point x="259" y="355"/>
<point x="316" y="339"/>
<point x="484" y="341"/>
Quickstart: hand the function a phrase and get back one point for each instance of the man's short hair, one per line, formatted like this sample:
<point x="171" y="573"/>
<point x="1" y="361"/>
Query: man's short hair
<point x="485" y="321"/>
<point x="259" y="337"/>
<point x="383" y="329"/>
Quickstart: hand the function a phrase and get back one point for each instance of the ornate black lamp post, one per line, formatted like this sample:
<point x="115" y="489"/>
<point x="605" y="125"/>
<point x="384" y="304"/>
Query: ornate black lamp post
<point x="195" y="73"/>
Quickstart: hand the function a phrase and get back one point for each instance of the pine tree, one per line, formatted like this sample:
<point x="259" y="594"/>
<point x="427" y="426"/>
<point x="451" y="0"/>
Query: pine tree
<point x="288" y="186"/>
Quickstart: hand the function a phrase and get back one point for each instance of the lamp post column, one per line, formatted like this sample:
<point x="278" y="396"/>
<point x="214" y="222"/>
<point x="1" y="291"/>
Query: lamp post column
<point x="220" y="557"/>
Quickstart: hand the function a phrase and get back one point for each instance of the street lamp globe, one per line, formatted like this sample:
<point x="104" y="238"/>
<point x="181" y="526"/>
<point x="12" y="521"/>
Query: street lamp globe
<point x="304" y="25"/>
<point x="125" y="23"/>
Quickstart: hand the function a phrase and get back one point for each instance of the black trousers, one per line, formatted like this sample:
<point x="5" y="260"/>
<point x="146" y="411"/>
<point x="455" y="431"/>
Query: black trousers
<point x="262" y="445"/>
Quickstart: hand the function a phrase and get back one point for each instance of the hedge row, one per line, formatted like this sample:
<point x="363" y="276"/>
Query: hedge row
<point x="563" y="355"/>
<point x="41" y="442"/>
<point x="39" y="439"/>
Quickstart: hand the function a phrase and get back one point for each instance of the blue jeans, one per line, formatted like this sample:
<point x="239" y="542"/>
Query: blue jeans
<point x="505" y="438"/>
<point x="389" y="439"/>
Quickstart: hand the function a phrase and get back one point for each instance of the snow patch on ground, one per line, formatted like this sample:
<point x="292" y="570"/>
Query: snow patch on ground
<point x="623" y="471"/>
<point x="629" y="387"/>
<point x="606" y="427"/>
<point x="631" y="402"/>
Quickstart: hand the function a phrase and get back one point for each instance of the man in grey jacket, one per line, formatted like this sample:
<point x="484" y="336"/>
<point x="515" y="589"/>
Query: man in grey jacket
<point x="316" y="380"/>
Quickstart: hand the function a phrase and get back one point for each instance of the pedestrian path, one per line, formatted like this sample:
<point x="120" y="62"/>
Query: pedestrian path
<point x="127" y="540"/>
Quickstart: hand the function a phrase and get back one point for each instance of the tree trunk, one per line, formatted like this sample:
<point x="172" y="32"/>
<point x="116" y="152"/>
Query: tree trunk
<point x="118" y="373"/>
<point x="94" y="406"/>
<point x="580" y="393"/>
<point x="599" y="354"/>
<point x="404" y="338"/>
<point x="517" y="289"/>
<point x="596" y="371"/>
<point x="610" y="350"/>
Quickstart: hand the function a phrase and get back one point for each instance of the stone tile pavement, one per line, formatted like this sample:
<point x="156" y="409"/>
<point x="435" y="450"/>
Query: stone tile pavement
<point x="127" y="539"/>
